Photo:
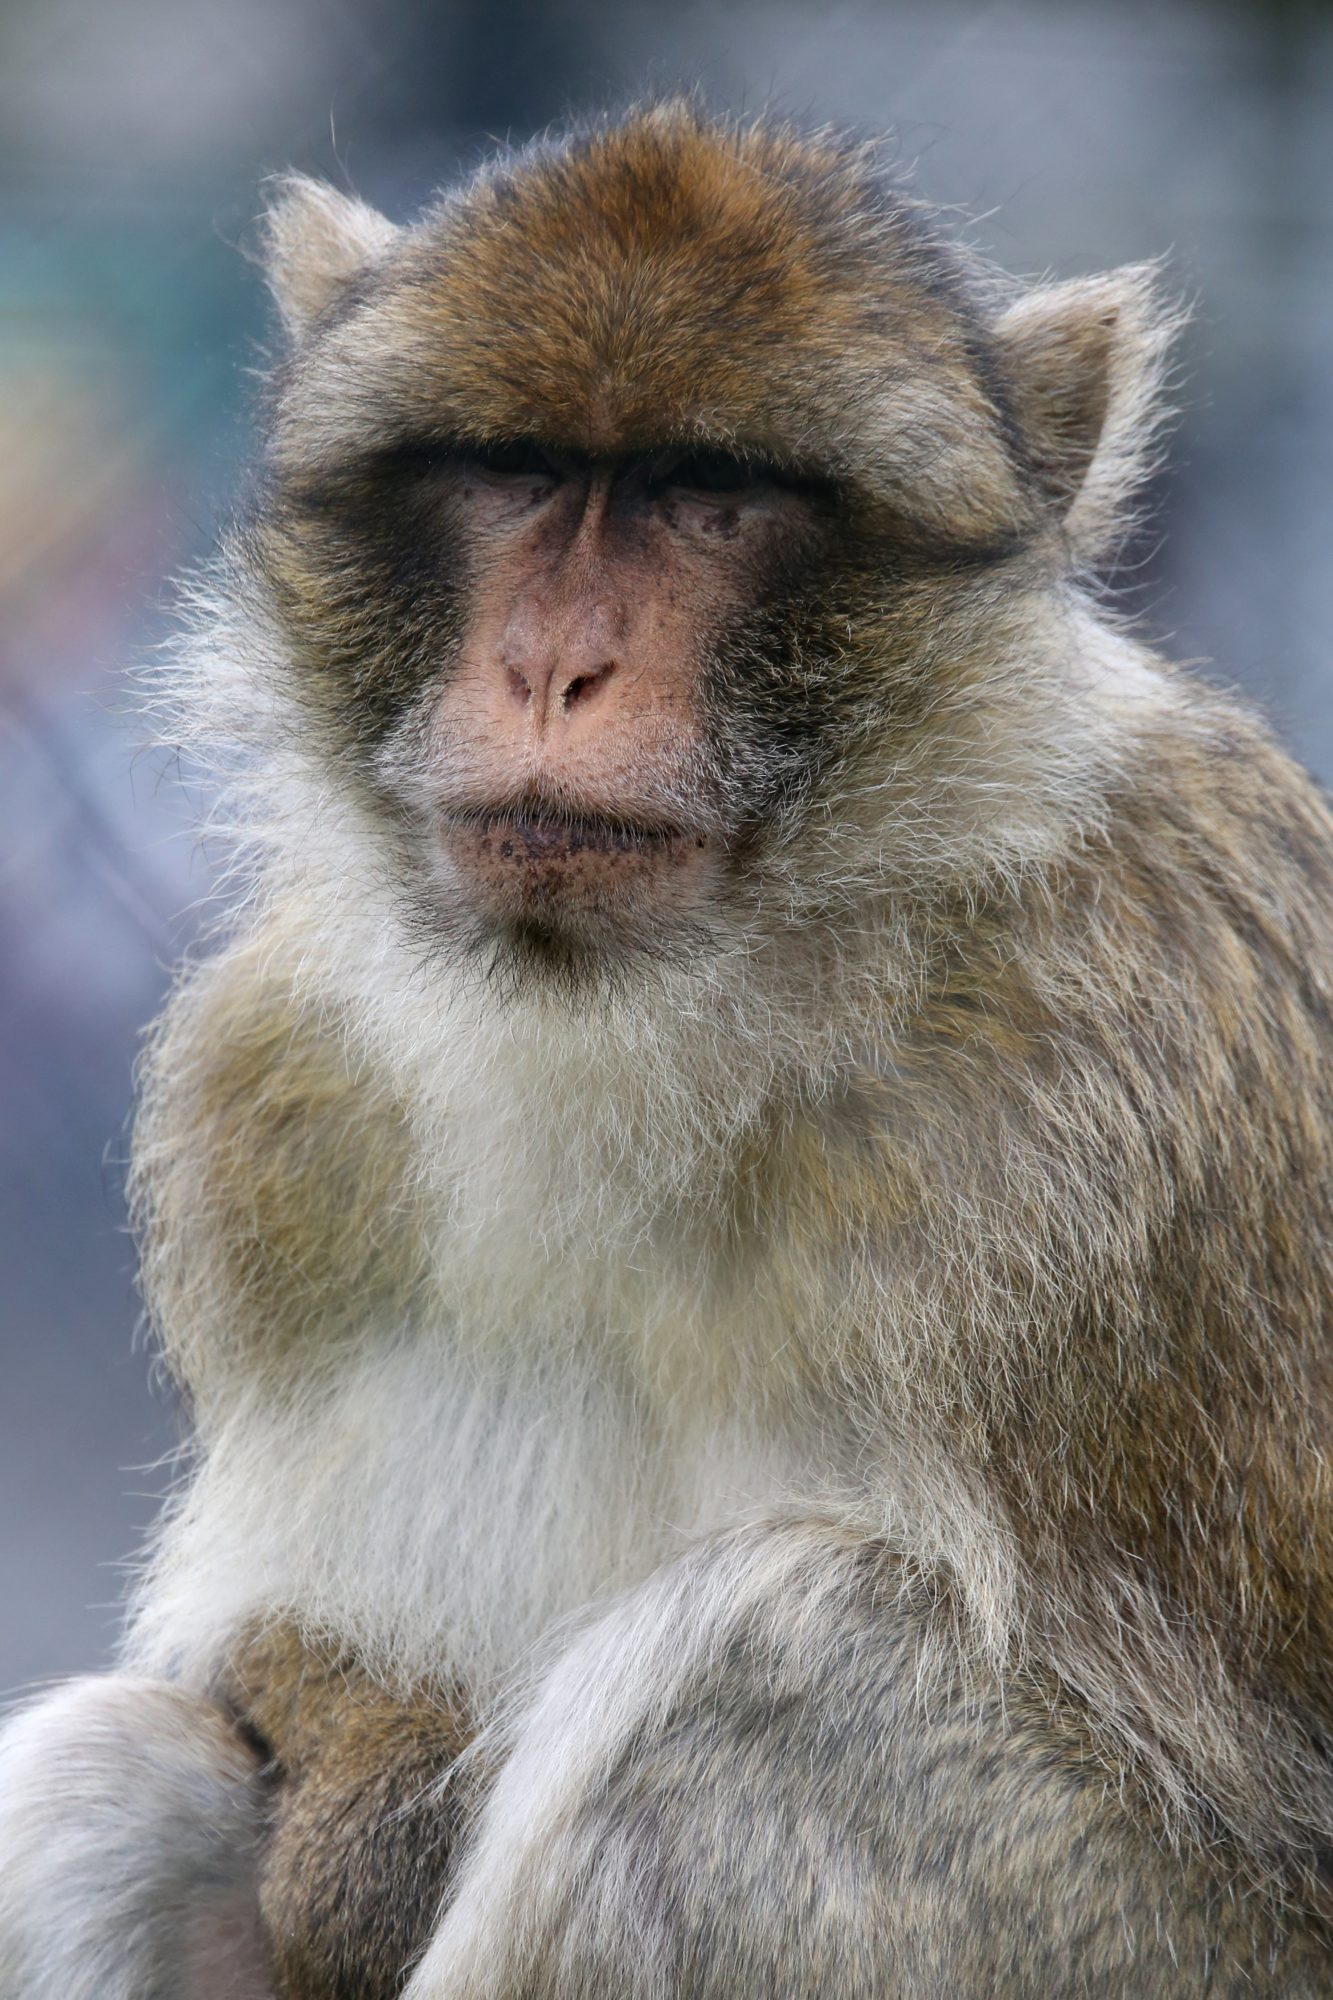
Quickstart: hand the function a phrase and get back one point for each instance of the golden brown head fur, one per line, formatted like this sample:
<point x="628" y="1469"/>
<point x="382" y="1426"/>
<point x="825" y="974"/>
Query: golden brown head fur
<point x="671" y="279"/>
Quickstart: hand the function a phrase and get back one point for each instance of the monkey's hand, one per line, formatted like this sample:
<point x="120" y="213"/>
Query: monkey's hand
<point x="353" y="1870"/>
<point x="131" y="1819"/>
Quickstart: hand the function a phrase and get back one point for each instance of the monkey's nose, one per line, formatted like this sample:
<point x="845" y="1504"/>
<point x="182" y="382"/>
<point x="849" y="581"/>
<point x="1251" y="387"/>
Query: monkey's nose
<point x="552" y="690"/>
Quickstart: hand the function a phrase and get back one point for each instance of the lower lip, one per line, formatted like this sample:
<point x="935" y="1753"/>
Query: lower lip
<point x="515" y="837"/>
<point x="522" y="859"/>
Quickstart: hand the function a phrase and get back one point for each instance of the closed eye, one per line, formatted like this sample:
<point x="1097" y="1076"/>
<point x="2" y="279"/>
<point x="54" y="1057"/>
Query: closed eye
<point x="509" y="458"/>
<point x="723" y="473"/>
<point x="488" y="458"/>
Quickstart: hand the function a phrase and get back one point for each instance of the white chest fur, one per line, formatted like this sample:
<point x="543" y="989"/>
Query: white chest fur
<point x="432" y="1506"/>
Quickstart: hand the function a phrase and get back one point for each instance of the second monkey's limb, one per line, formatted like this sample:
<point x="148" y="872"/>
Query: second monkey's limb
<point x="363" y="1833"/>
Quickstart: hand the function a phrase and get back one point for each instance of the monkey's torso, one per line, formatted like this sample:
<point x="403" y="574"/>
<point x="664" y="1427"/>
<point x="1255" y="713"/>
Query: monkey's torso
<point x="1125" y="1068"/>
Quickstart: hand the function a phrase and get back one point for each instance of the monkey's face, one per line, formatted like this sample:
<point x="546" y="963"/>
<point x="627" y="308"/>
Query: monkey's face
<point x="574" y="768"/>
<point x="609" y="516"/>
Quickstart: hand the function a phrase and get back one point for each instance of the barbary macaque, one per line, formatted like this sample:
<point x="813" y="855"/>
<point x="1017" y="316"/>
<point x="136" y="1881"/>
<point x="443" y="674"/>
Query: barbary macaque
<point x="744" y="1210"/>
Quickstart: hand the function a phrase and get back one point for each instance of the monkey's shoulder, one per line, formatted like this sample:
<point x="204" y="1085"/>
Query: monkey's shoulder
<point x="274" y="1167"/>
<point x="1189" y="923"/>
<point x="1145" y="1019"/>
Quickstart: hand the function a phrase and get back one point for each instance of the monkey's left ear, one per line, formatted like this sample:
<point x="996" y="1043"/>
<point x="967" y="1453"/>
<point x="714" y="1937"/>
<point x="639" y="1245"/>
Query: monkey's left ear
<point x="313" y="240"/>
<point x="1086" y="364"/>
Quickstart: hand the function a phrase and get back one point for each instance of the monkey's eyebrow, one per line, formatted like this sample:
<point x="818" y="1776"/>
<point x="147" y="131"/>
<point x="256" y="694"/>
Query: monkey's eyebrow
<point x="427" y="452"/>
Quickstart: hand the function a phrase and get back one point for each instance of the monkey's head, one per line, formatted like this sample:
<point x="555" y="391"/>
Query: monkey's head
<point x="646" y="528"/>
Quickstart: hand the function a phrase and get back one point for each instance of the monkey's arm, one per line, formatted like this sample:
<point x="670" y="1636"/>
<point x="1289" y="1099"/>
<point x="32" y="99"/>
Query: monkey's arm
<point x="287" y="1840"/>
<point x="771" y="1771"/>
<point x="132" y="1816"/>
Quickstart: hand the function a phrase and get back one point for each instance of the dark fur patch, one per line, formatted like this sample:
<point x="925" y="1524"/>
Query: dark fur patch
<point x="362" y="1836"/>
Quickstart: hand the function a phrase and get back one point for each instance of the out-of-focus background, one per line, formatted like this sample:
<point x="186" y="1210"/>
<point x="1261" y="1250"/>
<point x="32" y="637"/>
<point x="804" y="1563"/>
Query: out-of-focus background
<point x="135" y="136"/>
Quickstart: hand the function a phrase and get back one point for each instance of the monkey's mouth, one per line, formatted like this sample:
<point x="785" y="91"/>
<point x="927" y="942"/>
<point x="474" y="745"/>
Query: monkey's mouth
<point x="524" y="837"/>
<point x="524" y="862"/>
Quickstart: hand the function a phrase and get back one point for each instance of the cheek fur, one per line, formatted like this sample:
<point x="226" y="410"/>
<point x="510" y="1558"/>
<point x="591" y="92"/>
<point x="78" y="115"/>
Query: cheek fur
<point x="371" y="590"/>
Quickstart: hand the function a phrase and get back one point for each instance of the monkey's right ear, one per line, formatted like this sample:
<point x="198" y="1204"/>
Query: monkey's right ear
<point x="1086" y="364"/>
<point x="312" y="240"/>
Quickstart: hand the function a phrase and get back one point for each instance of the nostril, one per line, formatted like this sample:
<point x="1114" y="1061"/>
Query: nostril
<point x="583" y="685"/>
<point x="518" y="687"/>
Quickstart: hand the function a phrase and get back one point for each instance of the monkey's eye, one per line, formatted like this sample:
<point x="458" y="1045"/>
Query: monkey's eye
<point x="714" y="472"/>
<point x="510" y="458"/>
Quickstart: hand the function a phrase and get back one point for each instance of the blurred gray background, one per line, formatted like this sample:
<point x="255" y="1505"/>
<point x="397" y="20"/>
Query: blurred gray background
<point x="136" y="133"/>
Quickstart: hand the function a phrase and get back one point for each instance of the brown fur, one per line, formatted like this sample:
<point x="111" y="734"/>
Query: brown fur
<point x="1157" y="1025"/>
<point x="302" y="1169"/>
<point x="361" y="1843"/>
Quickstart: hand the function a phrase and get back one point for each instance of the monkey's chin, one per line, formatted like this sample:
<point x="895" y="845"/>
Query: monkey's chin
<point x="573" y="901"/>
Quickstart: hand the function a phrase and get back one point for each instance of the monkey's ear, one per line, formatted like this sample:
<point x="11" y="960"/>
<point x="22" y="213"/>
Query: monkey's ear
<point x="1086" y="363"/>
<point x="312" y="239"/>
